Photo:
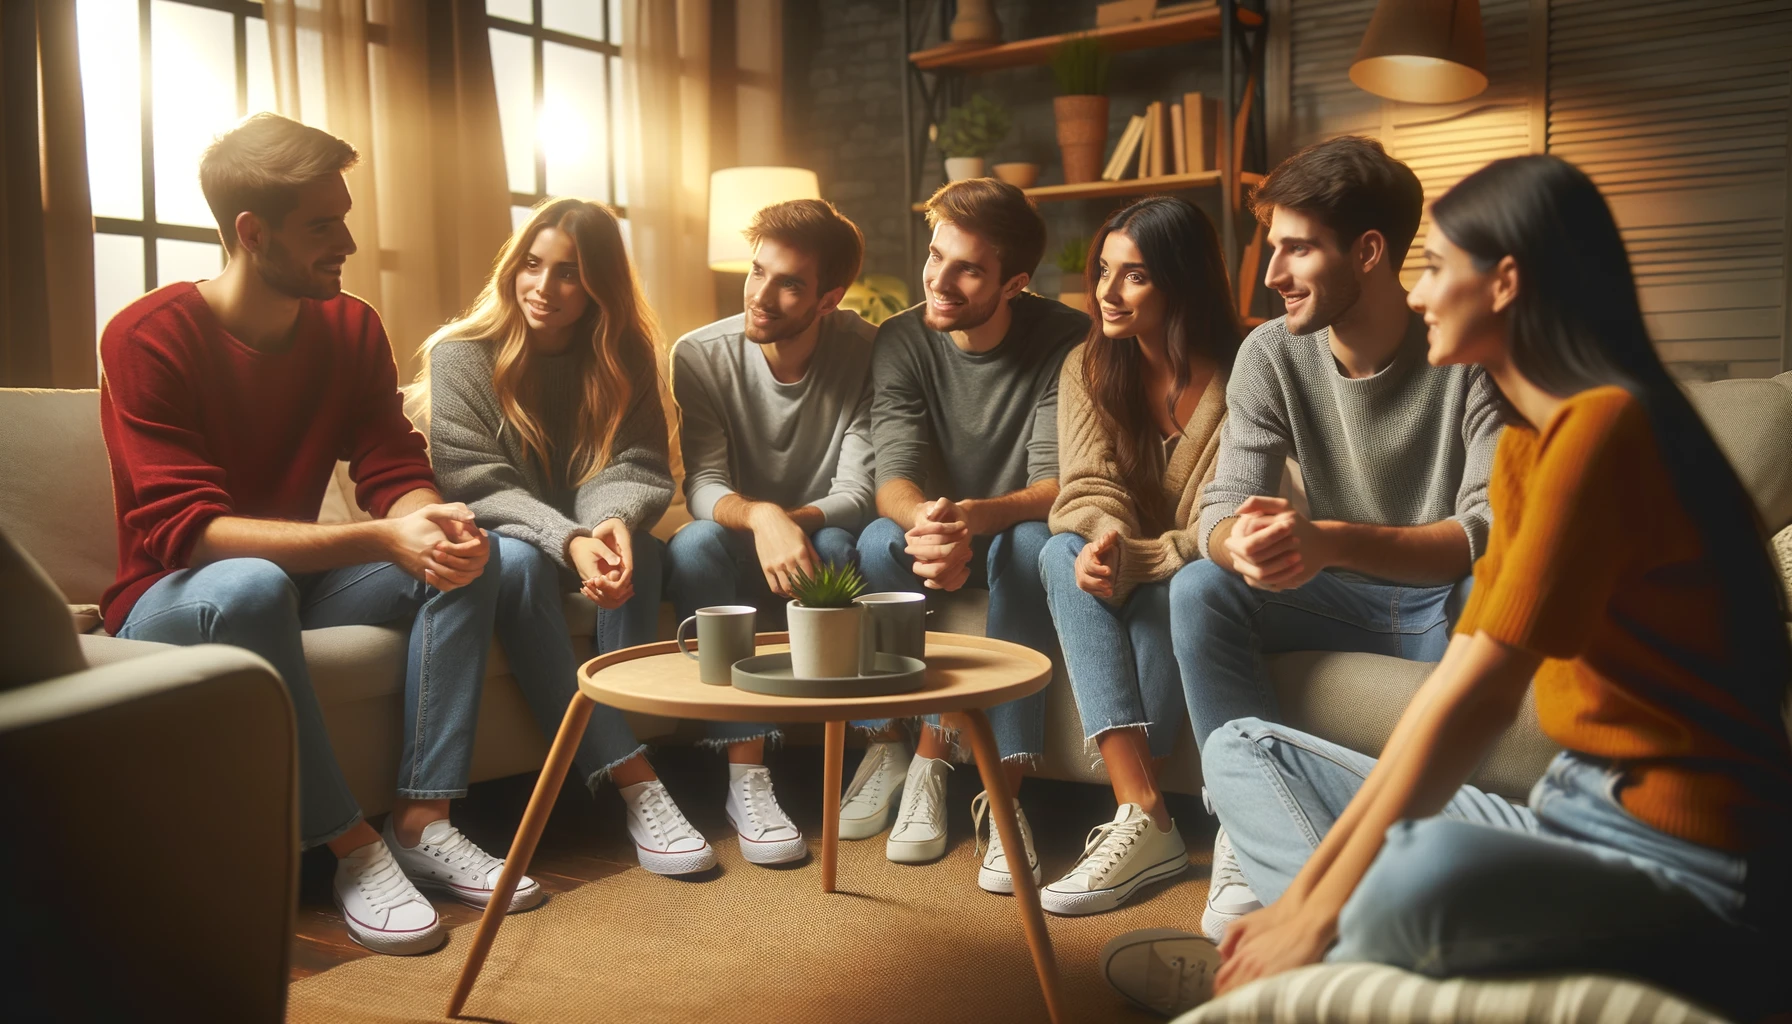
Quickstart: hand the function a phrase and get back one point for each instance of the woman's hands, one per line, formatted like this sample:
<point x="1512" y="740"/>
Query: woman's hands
<point x="605" y="561"/>
<point x="1098" y="565"/>
<point x="1280" y="937"/>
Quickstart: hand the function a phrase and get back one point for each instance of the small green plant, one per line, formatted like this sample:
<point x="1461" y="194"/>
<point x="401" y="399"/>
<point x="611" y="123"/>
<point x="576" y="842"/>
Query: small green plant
<point x="832" y="586"/>
<point x="974" y="129"/>
<point x="876" y="297"/>
<point x="1080" y="66"/>
<point x="1074" y="257"/>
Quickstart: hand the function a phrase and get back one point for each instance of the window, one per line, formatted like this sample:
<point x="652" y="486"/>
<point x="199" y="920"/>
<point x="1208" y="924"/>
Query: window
<point x="559" y="84"/>
<point x="159" y="79"/>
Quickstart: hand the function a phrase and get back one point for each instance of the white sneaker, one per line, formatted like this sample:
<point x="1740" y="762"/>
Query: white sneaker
<point x="1118" y="859"/>
<point x="766" y="834"/>
<point x="384" y="911"/>
<point x="919" y="834"/>
<point x="1161" y="969"/>
<point x="1229" y="896"/>
<point x="446" y="859"/>
<point x="992" y="873"/>
<point x="665" y="843"/>
<point x="866" y="805"/>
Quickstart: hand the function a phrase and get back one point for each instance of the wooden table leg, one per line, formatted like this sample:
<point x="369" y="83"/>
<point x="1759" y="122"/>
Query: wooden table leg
<point x="833" y="751"/>
<point x="1026" y="891"/>
<point x="522" y="848"/>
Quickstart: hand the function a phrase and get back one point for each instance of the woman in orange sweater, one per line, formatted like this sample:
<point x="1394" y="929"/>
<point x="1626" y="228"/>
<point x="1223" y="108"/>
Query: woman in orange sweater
<point x="1627" y="574"/>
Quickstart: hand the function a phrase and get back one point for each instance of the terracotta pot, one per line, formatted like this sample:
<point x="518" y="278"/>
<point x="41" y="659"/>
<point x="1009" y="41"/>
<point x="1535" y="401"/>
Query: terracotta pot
<point x="1082" y="135"/>
<point x="976" y="23"/>
<point x="1019" y="175"/>
<point x="959" y="168"/>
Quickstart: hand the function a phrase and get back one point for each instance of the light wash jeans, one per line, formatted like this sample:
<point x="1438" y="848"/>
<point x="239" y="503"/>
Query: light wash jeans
<point x="709" y="564"/>
<point x="1008" y="564"/>
<point x="1221" y="627"/>
<point x="1119" y="658"/>
<point x="1571" y="882"/>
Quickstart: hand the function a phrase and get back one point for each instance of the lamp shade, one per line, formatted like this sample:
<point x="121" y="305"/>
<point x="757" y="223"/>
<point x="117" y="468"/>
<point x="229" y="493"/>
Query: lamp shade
<point x="1423" y="51"/>
<point x="736" y="194"/>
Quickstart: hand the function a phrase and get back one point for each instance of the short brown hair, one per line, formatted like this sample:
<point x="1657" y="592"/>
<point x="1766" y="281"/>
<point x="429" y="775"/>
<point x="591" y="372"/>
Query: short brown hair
<point x="259" y="165"/>
<point x="815" y="227"/>
<point x="1352" y="186"/>
<point x="997" y="211"/>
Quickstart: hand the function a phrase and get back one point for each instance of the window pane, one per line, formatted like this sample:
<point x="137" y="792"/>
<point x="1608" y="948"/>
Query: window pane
<point x="619" y="144"/>
<point x="193" y="61"/>
<point x="260" y="67"/>
<point x="575" y="122"/>
<point x="615" y="7"/>
<point x="519" y="215"/>
<point x="117" y="274"/>
<point x="513" y="68"/>
<point x="177" y="260"/>
<point x="576" y="17"/>
<point x="515" y="10"/>
<point x="111" y="91"/>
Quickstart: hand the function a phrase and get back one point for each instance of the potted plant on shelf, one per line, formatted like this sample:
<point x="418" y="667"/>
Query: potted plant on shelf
<point x="876" y="297"/>
<point x="969" y="133"/>
<point x="824" y="622"/>
<point x="1080" y="67"/>
<point x="1071" y="261"/>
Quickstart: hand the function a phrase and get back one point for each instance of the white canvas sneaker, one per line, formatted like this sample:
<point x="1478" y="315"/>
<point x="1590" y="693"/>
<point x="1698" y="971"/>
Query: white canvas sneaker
<point x="766" y="833"/>
<point x="446" y="859"/>
<point x="1229" y="896"/>
<point x="384" y="911"/>
<point x="992" y="871"/>
<point x="1118" y="859"/>
<point x="919" y="834"/>
<point x="868" y="802"/>
<point x="665" y="843"/>
<point x="1161" y="969"/>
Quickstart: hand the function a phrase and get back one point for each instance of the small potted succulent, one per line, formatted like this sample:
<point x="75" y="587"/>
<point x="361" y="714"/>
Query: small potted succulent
<point x="969" y="133"/>
<point x="824" y="622"/>
<point x="1072" y="260"/>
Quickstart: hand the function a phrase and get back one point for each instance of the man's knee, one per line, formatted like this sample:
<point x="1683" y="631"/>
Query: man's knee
<point x="835" y="545"/>
<point x="880" y="541"/>
<point x="1202" y="588"/>
<point x="699" y="542"/>
<point x="252" y="594"/>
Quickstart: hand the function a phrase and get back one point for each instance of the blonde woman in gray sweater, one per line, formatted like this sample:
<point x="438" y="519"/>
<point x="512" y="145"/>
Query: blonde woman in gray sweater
<point x="1139" y="411"/>
<point x="544" y="417"/>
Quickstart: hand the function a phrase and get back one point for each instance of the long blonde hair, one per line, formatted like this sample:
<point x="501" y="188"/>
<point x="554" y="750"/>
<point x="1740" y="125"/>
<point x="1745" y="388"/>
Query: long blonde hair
<point x="618" y="327"/>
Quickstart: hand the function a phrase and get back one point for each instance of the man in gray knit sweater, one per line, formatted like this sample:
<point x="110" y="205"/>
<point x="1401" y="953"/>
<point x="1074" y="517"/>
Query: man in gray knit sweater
<point x="1394" y="454"/>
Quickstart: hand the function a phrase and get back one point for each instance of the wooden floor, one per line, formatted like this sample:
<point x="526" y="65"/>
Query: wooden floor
<point x="585" y="839"/>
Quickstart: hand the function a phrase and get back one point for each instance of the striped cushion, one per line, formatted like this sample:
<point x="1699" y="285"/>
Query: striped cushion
<point x="1327" y="993"/>
<point x="1782" y="554"/>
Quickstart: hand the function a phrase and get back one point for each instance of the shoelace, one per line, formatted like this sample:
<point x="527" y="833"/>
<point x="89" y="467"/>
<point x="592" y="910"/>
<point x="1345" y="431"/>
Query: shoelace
<point x="384" y="885"/>
<point x="1225" y="870"/>
<point x="868" y="779"/>
<point x="979" y="808"/>
<point x="463" y="854"/>
<point x="1107" y="844"/>
<point x="763" y="812"/>
<point x="926" y="802"/>
<point x="1183" y="972"/>
<point x="664" y="819"/>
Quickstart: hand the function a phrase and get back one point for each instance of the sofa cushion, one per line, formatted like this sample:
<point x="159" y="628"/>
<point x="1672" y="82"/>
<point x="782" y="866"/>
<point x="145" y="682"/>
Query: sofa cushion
<point x="1752" y="422"/>
<point x="1325" y="993"/>
<point x="57" y="502"/>
<point x="35" y="629"/>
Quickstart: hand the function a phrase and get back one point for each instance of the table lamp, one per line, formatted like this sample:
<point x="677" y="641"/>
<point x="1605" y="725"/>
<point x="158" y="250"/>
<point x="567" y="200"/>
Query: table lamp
<point x="735" y="195"/>
<point x="1423" y="51"/>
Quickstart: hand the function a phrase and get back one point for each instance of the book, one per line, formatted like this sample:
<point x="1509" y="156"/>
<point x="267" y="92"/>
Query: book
<point x="1178" y="147"/>
<point x="1124" y="149"/>
<point x="1160" y="141"/>
<point x="1147" y="137"/>
<point x="1201" y="127"/>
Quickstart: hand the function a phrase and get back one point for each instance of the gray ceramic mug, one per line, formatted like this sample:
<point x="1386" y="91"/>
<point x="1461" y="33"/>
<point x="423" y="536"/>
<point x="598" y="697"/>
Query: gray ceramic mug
<point x="895" y="623"/>
<point x="724" y="636"/>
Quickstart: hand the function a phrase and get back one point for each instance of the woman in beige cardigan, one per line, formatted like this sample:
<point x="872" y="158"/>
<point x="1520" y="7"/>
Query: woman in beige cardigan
<point x="1139" y="411"/>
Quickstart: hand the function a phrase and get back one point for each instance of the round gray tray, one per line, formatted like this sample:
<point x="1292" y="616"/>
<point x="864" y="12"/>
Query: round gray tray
<point x="770" y="674"/>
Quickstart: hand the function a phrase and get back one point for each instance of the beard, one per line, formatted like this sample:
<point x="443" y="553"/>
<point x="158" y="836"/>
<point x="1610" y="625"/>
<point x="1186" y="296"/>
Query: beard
<point x="1330" y="298"/>
<point x="281" y="272"/>
<point x="782" y="328"/>
<point x="967" y="318"/>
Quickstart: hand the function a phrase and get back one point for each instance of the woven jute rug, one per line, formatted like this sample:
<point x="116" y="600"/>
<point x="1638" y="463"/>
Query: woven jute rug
<point x="750" y="944"/>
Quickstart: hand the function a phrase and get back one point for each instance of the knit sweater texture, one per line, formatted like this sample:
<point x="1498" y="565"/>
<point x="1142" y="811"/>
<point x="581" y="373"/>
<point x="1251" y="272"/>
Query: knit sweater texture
<point x="1408" y="446"/>
<point x="481" y="460"/>
<point x="1092" y="498"/>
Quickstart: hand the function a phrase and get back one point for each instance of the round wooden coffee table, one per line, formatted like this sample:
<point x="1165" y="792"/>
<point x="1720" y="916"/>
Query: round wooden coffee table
<point x="965" y="674"/>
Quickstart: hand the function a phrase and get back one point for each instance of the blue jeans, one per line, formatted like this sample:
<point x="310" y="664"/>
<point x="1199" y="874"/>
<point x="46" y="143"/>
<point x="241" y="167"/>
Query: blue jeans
<point x="1008" y="564"/>
<point x="1222" y="626"/>
<point x="1571" y="882"/>
<point x="1119" y="658"/>
<point x="709" y="564"/>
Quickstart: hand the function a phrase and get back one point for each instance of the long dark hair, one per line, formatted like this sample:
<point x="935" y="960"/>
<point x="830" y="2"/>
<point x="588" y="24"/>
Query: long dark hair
<point x="1182" y="255"/>
<point x="1576" y="325"/>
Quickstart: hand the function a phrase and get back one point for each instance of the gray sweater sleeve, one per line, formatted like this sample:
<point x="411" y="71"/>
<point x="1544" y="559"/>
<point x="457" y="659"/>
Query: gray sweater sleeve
<point x="1042" y="444"/>
<point x="636" y="485"/>
<point x="470" y="463"/>
<point x="702" y="432"/>
<point x="851" y="497"/>
<point x="899" y="430"/>
<point x="1254" y="441"/>
<point x="1482" y="423"/>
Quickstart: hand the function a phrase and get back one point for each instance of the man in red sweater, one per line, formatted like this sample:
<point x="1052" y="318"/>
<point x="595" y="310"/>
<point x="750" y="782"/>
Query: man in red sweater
<point x="226" y="405"/>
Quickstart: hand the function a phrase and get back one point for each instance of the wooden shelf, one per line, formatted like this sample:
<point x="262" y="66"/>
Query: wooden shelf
<point x="1126" y="187"/>
<point x="1138" y="35"/>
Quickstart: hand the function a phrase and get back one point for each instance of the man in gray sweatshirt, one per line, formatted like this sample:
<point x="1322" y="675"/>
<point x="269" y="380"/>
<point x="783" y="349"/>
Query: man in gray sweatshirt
<point x="966" y="428"/>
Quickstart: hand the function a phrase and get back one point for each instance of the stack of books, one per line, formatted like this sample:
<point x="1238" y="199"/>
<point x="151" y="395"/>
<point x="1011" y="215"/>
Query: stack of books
<point x="1180" y="140"/>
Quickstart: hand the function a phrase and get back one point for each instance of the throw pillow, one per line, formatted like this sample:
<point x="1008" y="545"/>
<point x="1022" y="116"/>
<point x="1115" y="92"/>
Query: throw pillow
<point x="1782" y="555"/>
<point x="35" y="629"/>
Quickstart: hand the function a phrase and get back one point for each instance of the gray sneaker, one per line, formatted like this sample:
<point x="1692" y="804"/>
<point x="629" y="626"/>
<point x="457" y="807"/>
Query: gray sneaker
<point x="1161" y="969"/>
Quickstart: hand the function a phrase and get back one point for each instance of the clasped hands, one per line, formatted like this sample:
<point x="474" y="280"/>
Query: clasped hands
<point x="605" y="562"/>
<point x="439" y="544"/>
<point x="1274" y="547"/>
<point x="940" y="542"/>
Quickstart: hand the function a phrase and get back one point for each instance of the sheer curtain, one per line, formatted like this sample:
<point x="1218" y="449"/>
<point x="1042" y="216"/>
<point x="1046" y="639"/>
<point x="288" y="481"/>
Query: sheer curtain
<point x="432" y="203"/>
